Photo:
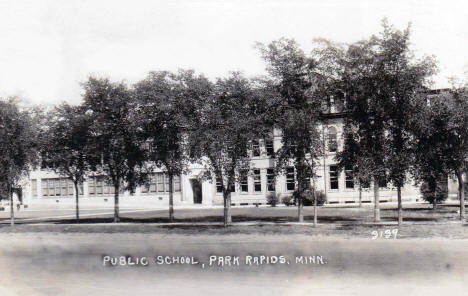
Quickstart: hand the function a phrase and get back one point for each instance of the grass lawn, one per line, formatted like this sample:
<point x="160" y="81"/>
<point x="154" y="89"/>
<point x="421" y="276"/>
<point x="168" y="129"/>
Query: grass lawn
<point x="421" y="221"/>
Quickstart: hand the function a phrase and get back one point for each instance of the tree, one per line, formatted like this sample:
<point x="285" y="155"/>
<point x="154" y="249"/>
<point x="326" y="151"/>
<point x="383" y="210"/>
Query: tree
<point x="458" y="130"/>
<point x="381" y="83"/>
<point x="66" y="147"/>
<point x="164" y="100"/>
<point x="354" y="156"/>
<point x="442" y="139"/>
<point x="298" y="113"/>
<point x="18" y="146"/>
<point x="111" y="109"/>
<point x="223" y="131"/>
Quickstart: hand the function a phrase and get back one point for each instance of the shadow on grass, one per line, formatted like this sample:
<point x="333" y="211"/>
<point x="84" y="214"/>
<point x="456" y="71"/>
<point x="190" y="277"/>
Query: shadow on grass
<point x="206" y="219"/>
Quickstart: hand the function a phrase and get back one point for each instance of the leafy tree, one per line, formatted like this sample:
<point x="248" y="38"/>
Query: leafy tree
<point x="18" y="146"/>
<point x="223" y="131"/>
<point x="381" y="82"/>
<point x="67" y="145"/>
<point x="354" y="156"/>
<point x="442" y="139"/>
<point x="111" y="109"/>
<point x="298" y="110"/>
<point x="165" y="103"/>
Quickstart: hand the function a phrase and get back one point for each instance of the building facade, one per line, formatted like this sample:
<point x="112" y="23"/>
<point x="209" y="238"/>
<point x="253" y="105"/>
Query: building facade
<point x="339" y="186"/>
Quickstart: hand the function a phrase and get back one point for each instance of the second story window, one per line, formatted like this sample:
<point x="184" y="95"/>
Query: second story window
<point x="255" y="148"/>
<point x="270" y="151"/>
<point x="332" y="139"/>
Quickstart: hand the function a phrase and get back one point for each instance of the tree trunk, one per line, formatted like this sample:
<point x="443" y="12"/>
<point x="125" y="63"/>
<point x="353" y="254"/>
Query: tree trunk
<point x="300" y="214"/>
<point x="12" y="210"/>
<point x="376" y="200"/>
<point x="77" y="207"/>
<point x="227" y="208"/>
<point x="461" y="195"/>
<point x="116" y="204"/>
<point x="434" y="204"/>
<point x="315" y="207"/>
<point x="171" y="198"/>
<point x="360" y="195"/>
<point x="400" y="207"/>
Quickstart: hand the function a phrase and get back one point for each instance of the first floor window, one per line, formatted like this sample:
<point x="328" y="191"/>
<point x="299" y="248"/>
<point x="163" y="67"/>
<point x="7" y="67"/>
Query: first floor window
<point x="159" y="182"/>
<point x="333" y="177"/>
<point x="34" y="187"/>
<point x="349" y="177"/>
<point x="219" y="185"/>
<point x="99" y="186"/>
<point x="244" y="184"/>
<point x="56" y="187"/>
<point x="257" y="181"/>
<point x="382" y="182"/>
<point x="270" y="180"/>
<point x="290" y="179"/>
<point x="365" y="184"/>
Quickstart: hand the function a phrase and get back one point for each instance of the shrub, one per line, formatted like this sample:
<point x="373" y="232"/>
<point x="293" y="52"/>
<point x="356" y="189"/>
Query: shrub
<point x="272" y="199"/>
<point x="434" y="194"/>
<point x="309" y="198"/>
<point x="287" y="200"/>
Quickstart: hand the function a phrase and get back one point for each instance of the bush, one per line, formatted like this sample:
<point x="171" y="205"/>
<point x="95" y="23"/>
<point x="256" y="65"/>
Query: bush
<point x="308" y="198"/>
<point x="272" y="199"/>
<point x="287" y="200"/>
<point x="434" y="194"/>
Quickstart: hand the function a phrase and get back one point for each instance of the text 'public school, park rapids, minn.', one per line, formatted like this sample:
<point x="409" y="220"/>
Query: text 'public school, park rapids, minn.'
<point x="213" y="260"/>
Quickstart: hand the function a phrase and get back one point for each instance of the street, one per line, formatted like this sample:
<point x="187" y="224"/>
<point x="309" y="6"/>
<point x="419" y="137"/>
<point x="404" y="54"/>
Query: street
<point x="79" y="264"/>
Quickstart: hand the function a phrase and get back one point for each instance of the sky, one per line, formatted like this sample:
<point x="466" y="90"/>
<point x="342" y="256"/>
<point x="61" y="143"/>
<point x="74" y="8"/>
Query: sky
<point x="48" y="47"/>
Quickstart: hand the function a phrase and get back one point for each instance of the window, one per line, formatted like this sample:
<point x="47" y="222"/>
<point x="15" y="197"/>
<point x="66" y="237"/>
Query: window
<point x="270" y="151"/>
<point x="98" y="186"/>
<point x="159" y="182"/>
<point x="270" y="180"/>
<point x="34" y="187"/>
<point x="219" y="186"/>
<point x="365" y="184"/>
<point x="332" y="139"/>
<point x="349" y="178"/>
<point x="383" y="182"/>
<point x="255" y="148"/>
<point x="244" y="184"/>
<point x="290" y="179"/>
<point x="56" y="187"/>
<point x="334" y="177"/>
<point x="257" y="181"/>
<point x="177" y="186"/>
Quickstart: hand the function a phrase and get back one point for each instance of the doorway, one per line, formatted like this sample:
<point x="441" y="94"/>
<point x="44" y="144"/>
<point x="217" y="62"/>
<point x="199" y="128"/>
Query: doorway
<point x="197" y="191"/>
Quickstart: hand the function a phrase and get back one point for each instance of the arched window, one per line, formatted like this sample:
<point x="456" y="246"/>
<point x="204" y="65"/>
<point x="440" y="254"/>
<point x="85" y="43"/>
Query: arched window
<point x="332" y="139"/>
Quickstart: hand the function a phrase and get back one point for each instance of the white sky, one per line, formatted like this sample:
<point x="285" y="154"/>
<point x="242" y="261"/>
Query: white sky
<point x="49" y="46"/>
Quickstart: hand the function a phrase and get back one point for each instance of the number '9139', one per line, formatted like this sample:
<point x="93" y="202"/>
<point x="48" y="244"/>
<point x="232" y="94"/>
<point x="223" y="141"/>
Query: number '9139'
<point x="386" y="234"/>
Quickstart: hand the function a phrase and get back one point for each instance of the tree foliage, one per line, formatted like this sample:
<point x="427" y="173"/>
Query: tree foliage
<point x="223" y="131"/>
<point x="18" y="146"/>
<point x="67" y="145"/>
<point x="167" y="103"/>
<point x="112" y="111"/>
<point x="297" y="105"/>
